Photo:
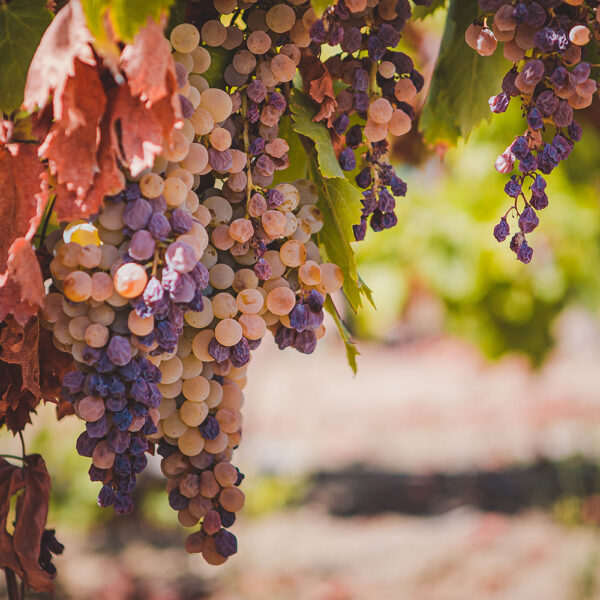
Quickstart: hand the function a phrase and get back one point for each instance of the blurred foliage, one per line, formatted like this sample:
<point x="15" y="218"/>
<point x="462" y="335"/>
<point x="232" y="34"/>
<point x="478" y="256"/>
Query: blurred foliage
<point x="443" y="247"/>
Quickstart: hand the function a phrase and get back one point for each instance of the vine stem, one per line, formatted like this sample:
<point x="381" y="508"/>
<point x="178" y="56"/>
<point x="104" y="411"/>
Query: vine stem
<point x="11" y="584"/>
<point x="13" y="456"/>
<point x="246" y="146"/>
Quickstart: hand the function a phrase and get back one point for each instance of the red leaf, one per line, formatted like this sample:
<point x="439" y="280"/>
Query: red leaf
<point x="20" y="346"/>
<point x="23" y="195"/>
<point x="32" y="513"/>
<point x="71" y="145"/>
<point x="53" y="365"/>
<point x="66" y="39"/>
<point x="21" y="286"/>
<point x="11" y="482"/>
<point x="147" y="63"/>
<point x="141" y="132"/>
<point x="318" y="82"/>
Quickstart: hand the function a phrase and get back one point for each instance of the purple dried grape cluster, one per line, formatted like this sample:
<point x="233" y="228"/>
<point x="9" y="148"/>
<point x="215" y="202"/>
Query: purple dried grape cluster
<point x="120" y="395"/>
<point x="544" y="40"/>
<point x="368" y="78"/>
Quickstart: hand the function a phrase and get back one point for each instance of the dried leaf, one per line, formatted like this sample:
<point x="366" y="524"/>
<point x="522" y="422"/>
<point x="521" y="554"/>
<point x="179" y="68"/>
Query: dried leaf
<point x="72" y="142"/>
<point x="66" y="39"/>
<point x="11" y="482"/>
<point x="141" y="132"/>
<point x="20" y="346"/>
<point x="32" y="513"/>
<point x="53" y="365"/>
<point x="319" y="85"/>
<point x="147" y="64"/>
<point x="21" y="286"/>
<point x="23" y="195"/>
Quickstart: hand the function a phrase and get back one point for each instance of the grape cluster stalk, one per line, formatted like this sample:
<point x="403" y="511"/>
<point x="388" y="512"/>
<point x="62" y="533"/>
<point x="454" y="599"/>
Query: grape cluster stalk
<point x="547" y="42"/>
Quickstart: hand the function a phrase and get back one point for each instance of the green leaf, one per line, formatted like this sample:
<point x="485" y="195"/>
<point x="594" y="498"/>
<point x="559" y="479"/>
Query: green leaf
<point x="351" y="350"/>
<point x="302" y="113"/>
<point x="126" y="16"/>
<point x="219" y="59"/>
<point x="420" y="12"/>
<point x="462" y="81"/>
<point x="366" y="291"/>
<point x="298" y="168"/>
<point x="22" y="25"/>
<point x="319" y="6"/>
<point x="176" y="16"/>
<point x="339" y="201"/>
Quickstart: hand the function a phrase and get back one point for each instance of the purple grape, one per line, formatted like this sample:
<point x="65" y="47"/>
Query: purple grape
<point x="142" y="245"/>
<point x="137" y="214"/>
<point x="209" y="428"/>
<point x="225" y="543"/>
<point x="181" y="221"/>
<point x="528" y="220"/>
<point x="218" y="351"/>
<point x="305" y="342"/>
<point x="119" y="350"/>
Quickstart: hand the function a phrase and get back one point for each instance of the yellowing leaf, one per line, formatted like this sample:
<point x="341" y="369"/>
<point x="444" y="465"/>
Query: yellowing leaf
<point x="351" y="350"/>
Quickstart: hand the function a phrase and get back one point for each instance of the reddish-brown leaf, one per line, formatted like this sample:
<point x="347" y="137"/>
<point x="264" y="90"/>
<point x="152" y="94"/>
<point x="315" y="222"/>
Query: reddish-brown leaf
<point x="20" y="346"/>
<point x="11" y="481"/>
<point x="147" y="63"/>
<point x="32" y="513"/>
<point x="21" y="285"/>
<point x="23" y="195"/>
<point x="319" y="85"/>
<point x="71" y="145"/>
<point x="6" y="129"/>
<point x="140" y="131"/>
<point x="53" y="365"/>
<point x="66" y="39"/>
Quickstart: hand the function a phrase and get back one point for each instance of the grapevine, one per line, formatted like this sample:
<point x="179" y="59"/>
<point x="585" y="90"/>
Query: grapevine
<point x="183" y="191"/>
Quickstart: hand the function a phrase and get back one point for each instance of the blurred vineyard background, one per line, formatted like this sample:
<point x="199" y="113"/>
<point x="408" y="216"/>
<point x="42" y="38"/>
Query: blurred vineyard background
<point x="462" y="460"/>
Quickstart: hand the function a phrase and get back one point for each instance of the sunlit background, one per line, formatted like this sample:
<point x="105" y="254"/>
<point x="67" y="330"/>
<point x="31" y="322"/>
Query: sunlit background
<point x="461" y="461"/>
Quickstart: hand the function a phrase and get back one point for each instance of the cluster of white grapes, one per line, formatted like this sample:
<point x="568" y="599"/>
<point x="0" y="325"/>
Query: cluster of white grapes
<point x="162" y="297"/>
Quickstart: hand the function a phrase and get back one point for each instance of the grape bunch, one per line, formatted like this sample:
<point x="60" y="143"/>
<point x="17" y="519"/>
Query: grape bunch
<point x="162" y="297"/>
<point x="546" y="42"/>
<point x="122" y="288"/>
<point x="379" y="83"/>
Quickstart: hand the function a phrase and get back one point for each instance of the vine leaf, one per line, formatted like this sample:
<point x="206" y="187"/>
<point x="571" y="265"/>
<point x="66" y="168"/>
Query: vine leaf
<point x="319" y="85"/>
<point x="339" y="201"/>
<point x="99" y="116"/>
<point x="66" y="39"/>
<point x="219" y="59"/>
<point x="462" y="81"/>
<point x="22" y="25"/>
<point x="126" y="17"/>
<point x="302" y="113"/>
<point x="420" y="12"/>
<point x="351" y="349"/>
<point x="21" y="551"/>
<point x="298" y="168"/>
<point x="146" y="67"/>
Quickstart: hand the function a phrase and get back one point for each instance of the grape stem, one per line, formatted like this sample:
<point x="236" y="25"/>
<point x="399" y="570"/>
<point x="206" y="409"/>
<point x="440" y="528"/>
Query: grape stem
<point x="246" y="145"/>
<point x="155" y="263"/>
<point x="13" y="456"/>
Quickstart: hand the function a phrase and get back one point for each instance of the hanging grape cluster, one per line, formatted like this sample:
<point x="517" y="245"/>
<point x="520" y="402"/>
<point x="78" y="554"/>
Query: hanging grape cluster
<point x="162" y="296"/>
<point x="546" y="41"/>
<point x="380" y="83"/>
